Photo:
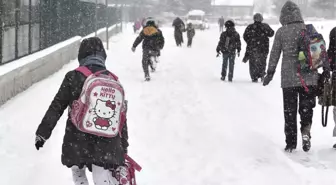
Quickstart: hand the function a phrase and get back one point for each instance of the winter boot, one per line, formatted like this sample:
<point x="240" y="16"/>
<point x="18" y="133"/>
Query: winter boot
<point x="255" y="80"/>
<point x="262" y="79"/>
<point x="152" y="65"/>
<point x="147" y="77"/>
<point x="289" y="148"/>
<point x="334" y="146"/>
<point x="223" y="78"/>
<point x="291" y="142"/>
<point x="306" y="143"/>
<point x="153" y="69"/>
<point x="305" y="132"/>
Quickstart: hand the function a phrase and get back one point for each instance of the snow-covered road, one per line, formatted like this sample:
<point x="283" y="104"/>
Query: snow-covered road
<point x="186" y="127"/>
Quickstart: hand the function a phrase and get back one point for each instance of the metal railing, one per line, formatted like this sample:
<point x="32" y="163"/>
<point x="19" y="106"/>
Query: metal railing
<point x="28" y="26"/>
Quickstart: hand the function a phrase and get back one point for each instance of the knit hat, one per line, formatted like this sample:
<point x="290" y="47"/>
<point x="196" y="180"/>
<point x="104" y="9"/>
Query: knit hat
<point x="258" y="17"/>
<point x="229" y="24"/>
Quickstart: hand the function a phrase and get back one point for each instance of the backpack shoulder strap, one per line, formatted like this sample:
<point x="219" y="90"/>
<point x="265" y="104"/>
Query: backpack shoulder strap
<point x="114" y="76"/>
<point x="303" y="41"/>
<point x="84" y="70"/>
<point x="109" y="73"/>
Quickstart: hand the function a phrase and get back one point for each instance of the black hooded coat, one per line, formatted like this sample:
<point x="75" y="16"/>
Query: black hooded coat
<point x="82" y="149"/>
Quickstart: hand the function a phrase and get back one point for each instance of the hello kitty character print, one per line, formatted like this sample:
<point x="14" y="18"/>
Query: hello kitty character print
<point x="100" y="109"/>
<point x="104" y="110"/>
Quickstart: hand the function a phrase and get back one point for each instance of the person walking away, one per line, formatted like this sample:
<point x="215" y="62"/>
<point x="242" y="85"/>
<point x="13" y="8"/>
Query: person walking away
<point x="143" y="22"/>
<point x="136" y="26"/>
<point x="152" y="42"/>
<point x="229" y="43"/>
<point x="257" y="37"/>
<point x="221" y="22"/>
<point x="332" y="61"/>
<point x="179" y="28"/>
<point x="80" y="148"/>
<point x="294" y="94"/>
<point x="190" y="34"/>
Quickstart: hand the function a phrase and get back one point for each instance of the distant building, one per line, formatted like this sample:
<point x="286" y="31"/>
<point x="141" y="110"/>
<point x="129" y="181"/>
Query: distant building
<point x="232" y="8"/>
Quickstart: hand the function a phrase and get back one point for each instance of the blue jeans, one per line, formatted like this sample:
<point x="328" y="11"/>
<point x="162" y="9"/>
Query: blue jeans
<point x="228" y="58"/>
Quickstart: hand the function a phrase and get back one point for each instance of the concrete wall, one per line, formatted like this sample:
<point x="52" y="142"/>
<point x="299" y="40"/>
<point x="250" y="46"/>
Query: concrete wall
<point x="38" y="66"/>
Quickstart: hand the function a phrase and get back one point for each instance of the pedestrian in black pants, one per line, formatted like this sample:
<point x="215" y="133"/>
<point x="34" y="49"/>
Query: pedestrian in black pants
<point x="152" y="42"/>
<point x="294" y="99"/>
<point x="228" y="59"/>
<point x="295" y="95"/>
<point x="179" y="28"/>
<point x="332" y="60"/>
<point x="221" y="22"/>
<point x="257" y="36"/>
<point x="228" y="44"/>
<point x="190" y="33"/>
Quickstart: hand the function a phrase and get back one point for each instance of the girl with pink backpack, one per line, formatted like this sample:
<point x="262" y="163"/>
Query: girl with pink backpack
<point x="96" y="135"/>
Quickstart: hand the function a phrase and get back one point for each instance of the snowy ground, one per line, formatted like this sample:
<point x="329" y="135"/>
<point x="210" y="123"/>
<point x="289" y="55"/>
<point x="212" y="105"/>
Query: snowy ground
<point x="186" y="127"/>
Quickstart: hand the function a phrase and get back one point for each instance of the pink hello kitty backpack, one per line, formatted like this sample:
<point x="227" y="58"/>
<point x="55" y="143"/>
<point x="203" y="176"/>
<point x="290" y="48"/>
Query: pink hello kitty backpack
<point x="100" y="109"/>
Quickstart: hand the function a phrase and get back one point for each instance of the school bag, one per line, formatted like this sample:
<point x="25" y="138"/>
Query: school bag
<point x="101" y="107"/>
<point x="325" y="96"/>
<point x="229" y="41"/>
<point x="325" y="100"/>
<point x="312" y="52"/>
<point x="227" y="45"/>
<point x="125" y="175"/>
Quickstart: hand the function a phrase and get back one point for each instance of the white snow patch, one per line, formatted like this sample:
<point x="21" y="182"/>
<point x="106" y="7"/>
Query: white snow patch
<point x="185" y="126"/>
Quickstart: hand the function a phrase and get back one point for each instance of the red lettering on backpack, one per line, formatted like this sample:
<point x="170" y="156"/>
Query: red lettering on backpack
<point x="107" y="95"/>
<point x="108" y="90"/>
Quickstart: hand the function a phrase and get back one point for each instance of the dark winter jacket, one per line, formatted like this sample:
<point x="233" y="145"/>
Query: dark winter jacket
<point x="332" y="60"/>
<point x="286" y="42"/>
<point x="178" y="25"/>
<point x="190" y="32"/>
<point x="229" y="42"/>
<point x="179" y="28"/>
<point x="257" y="36"/>
<point x="151" y="38"/>
<point x="79" y="148"/>
<point x="332" y="49"/>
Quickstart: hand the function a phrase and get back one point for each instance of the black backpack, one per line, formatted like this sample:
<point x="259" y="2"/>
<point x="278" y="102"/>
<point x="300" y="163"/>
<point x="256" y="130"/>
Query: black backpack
<point x="229" y="43"/>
